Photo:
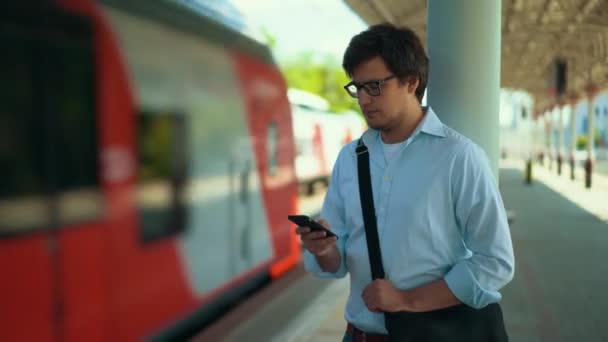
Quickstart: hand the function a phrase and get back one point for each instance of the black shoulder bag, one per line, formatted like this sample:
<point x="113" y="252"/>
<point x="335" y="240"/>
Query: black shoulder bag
<point x="456" y="323"/>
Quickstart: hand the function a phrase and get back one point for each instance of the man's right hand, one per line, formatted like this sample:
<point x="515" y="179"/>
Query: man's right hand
<point x="317" y="242"/>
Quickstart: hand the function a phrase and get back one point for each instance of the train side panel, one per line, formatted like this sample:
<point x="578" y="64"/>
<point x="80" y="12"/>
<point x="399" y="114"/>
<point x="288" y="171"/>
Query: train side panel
<point x="270" y="125"/>
<point x="225" y="234"/>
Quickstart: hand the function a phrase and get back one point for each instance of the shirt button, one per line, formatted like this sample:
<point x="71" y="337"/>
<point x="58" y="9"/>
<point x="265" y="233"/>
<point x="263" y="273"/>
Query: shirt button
<point x="387" y="178"/>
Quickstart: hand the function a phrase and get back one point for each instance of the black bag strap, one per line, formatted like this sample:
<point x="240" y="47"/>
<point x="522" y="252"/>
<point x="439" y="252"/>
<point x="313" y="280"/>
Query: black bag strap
<point x="369" y="211"/>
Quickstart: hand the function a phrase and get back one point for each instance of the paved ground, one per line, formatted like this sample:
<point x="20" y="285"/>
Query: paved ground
<point x="601" y="166"/>
<point x="558" y="293"/>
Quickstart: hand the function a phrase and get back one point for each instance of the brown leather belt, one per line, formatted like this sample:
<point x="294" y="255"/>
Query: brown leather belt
<point x="361" y="336"/>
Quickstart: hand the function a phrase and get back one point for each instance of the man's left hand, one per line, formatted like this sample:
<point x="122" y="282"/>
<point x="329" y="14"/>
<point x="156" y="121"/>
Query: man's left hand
<point x="382" y="296"/>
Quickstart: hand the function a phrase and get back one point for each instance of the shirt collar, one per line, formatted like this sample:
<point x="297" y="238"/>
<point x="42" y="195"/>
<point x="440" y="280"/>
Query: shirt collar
<point x="430" y="124"/>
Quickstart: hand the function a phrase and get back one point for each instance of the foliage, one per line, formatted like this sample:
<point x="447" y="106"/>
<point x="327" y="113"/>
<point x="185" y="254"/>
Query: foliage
<point x="271" y="39"/>
<point x="581" y="140"/>
<point x="323" y="77"/>
<point x="320" y="75"/>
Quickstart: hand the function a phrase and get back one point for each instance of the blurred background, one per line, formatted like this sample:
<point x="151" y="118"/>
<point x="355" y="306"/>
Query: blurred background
<point x="150" y="152"/>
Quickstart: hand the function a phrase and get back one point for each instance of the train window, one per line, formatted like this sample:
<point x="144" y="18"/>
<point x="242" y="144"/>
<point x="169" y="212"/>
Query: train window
<point x="69" y="99"/>
<point x="163" y="165"/>
<point x="48" y="150"/>
<point x="23" y="206"/>
<point x="272" y="148"/>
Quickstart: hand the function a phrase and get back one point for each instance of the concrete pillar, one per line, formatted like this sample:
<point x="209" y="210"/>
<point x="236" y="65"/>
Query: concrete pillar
<point x="572" y="99"/>
<point x="591" y="91"/>
<point x="560" y="136"/>
<point x="549" y="117"/>
<point x="464" y="43"/>
<point x="542" y="133"/>
<point x="536" y="148"/>
<point x="542" y="130"/>
<point x="530" y="146"/>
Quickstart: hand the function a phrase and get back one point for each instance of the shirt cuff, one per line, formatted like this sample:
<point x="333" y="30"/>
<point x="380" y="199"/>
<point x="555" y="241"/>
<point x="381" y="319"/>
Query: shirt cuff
<point x="467" y="289"/>
<point x="311" y="265"/>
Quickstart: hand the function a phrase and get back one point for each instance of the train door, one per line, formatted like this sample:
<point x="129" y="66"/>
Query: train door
<point x="49" y="189"/>
<point x="240" y="166"/>
<point x="244" y="191"/>
<point x="272" y="138"/>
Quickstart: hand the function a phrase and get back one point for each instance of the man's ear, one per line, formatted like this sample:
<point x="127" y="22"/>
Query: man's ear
<point x="412" y="84"/>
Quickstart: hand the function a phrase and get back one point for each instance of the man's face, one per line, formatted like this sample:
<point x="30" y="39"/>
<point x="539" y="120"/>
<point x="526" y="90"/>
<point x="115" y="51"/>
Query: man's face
<point x="386" y="110"/>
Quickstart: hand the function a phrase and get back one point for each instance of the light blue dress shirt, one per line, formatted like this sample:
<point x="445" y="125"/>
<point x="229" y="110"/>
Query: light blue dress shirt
<point x="439" y="215"/>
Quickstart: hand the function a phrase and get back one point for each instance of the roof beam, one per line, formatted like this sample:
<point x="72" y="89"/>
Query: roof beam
<point x="540" y="18"/>
<point x="415" y="19"/>
<point x="507" y="25"/>
<point x="543" y="16"/>
<point x="381" y="9"/>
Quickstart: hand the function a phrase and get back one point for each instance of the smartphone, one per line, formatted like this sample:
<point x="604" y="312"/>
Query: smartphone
<point x="305" y="221"/>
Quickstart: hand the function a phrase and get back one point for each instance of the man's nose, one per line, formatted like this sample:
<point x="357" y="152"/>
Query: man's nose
<point x="364" y="98"/>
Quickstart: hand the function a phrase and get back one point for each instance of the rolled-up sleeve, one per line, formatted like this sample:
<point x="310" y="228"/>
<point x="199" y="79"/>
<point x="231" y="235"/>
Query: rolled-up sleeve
<point x="482" y="221"/>
<point x="333" y="213"/>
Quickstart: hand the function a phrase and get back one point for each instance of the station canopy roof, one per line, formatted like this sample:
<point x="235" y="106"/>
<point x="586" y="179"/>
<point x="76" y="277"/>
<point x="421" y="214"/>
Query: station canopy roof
<point x="534" y="34"/>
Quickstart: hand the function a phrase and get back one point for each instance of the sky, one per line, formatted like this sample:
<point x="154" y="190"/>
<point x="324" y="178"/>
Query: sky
<point x="323" y="27"/>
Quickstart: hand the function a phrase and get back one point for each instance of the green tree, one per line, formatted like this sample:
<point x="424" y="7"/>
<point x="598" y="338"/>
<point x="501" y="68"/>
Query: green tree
<point x="581" y="140"/>
<point x="318" y="74"/>
<point x="321" y="76"/>
<point x="271" y="39"/>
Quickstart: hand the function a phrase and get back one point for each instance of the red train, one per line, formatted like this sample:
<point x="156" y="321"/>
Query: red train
<point x="147" y="169"/>
<point x="319" y="135"/>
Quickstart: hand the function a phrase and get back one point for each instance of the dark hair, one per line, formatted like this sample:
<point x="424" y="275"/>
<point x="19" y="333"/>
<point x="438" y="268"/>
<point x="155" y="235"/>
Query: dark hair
<point x="399" y="47"/>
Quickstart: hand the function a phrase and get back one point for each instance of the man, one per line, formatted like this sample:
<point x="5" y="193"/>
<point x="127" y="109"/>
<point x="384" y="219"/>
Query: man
<point x="442" y="226"/>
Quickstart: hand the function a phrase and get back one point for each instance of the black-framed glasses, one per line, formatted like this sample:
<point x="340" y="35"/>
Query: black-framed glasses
<point x="372" y="88"/>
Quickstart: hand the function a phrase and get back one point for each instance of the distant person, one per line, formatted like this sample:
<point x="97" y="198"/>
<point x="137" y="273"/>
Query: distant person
<point x="443" y="234"/>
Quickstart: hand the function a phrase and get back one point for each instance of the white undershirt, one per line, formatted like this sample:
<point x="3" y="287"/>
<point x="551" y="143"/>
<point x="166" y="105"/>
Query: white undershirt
<point x="390" y="150"/>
